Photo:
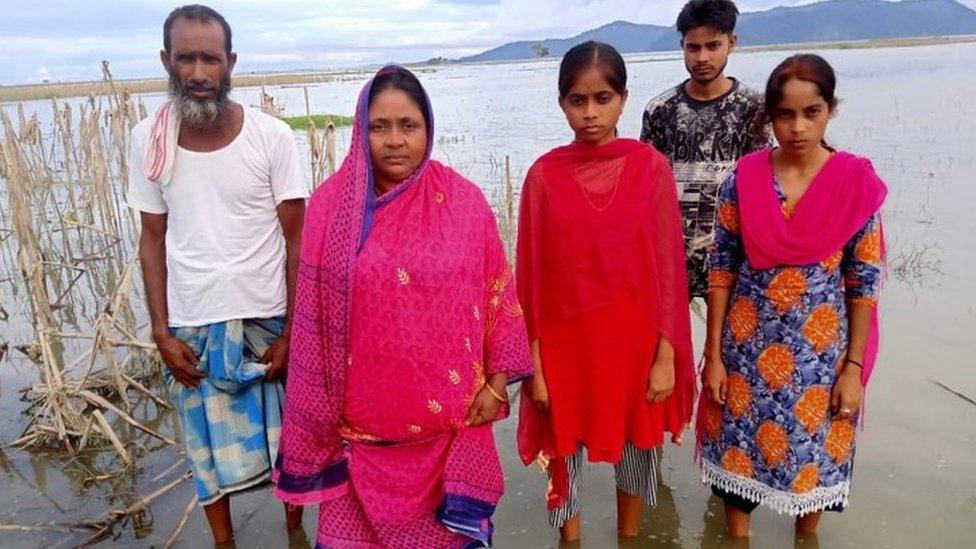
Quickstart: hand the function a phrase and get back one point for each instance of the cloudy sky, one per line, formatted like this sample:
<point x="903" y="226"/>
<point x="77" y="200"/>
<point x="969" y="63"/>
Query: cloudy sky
<point x="67" y="39"/>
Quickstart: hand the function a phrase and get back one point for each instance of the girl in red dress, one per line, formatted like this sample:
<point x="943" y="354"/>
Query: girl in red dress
<point x="601" y="277"/>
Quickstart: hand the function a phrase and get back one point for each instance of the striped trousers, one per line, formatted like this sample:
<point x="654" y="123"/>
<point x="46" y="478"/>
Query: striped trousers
<point x="636" y="474"/>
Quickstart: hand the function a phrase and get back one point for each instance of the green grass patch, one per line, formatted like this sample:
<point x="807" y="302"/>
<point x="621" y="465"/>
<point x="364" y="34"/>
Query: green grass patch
<point x="320" y="120"/>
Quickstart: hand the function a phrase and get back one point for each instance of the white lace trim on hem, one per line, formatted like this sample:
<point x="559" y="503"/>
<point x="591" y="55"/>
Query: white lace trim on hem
<point x="784" y="503"/>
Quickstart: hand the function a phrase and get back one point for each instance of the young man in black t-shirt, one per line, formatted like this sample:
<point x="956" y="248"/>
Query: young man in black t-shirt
<point x="704" y="125"/>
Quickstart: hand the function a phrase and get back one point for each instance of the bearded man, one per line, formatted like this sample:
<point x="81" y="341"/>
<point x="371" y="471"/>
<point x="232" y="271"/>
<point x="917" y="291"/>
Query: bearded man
<point x="221" y="196"/>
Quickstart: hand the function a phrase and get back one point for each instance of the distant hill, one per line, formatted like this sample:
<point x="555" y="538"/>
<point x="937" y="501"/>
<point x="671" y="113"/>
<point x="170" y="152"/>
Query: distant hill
<point x="827" y="21"/>
<point x="626" y="37"/>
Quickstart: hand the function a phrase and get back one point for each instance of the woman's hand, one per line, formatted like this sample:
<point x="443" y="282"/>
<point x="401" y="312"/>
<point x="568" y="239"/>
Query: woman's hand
<point x="486" y="404"/>
<point x="660" y="384"/>
<point x="661" y="380"/>
<point x="537" y="390"/>
<point x="715" y="380"/>
<point x="846" y="397"/>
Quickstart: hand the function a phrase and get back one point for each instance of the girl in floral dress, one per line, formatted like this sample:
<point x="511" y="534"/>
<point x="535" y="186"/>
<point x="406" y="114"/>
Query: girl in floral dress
<point x="792" y="326"/>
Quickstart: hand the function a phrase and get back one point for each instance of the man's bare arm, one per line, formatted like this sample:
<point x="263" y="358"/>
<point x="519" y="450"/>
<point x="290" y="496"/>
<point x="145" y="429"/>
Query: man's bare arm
<point x="180" y="359"/>
<point x="291" y="216"/>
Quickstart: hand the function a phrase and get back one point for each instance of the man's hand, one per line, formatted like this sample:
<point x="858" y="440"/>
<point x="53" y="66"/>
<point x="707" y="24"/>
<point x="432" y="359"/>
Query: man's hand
<point x="277" y="357"/>
<point x="180" y="359"/>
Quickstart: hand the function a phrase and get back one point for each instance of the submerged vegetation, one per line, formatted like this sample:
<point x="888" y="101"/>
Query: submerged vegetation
<point x="68" y="255"/>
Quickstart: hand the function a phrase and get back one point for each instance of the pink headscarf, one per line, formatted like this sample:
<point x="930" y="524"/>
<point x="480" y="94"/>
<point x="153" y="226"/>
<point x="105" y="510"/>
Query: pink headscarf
<point x="840" y="200"/>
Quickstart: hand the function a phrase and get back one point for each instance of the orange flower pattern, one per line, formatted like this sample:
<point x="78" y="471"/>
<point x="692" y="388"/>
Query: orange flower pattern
<point x="772" y="442"/>
<point x="786" y="289"/>
<point x="785" y="330"/>
<point x="868" y="249"/>
<point x="728" y="214"/>
<point x="739" y="395"/>
<point x="831" y="263"/>
<point x="743" y="319"/>
<point x="840" y="440"/>
<point x="776" y="365"/>
<point x="811" y="408"/>
<point x="807" y="479"/>
<point x="821" y="327"/>
<point x="738" y="462"/>
<point x="723" y="280"/>
<point x="712" y="419"/>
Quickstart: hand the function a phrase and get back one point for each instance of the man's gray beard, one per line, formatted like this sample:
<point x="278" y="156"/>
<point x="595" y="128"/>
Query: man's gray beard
<point x="201" y="115"/>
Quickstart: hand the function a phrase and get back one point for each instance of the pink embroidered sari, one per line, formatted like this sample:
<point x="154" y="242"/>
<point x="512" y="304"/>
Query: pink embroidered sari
<point x="404" y="305"/>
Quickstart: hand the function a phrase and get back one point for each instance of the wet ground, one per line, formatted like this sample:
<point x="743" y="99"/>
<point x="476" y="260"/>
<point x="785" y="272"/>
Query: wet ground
<point x="914" y="484"/>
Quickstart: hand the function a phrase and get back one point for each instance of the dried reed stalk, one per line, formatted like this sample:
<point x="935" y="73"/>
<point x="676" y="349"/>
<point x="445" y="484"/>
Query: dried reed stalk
<point x="66" y="195"/>
<point x="179" y="526"/>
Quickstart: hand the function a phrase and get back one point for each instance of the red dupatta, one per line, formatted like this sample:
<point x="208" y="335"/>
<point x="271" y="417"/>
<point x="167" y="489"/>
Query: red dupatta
<point x="576" y="254"/>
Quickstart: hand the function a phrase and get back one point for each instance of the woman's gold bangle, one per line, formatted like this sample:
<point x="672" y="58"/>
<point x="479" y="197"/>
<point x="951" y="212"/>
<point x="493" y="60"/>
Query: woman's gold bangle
<point x="495" y="394"/>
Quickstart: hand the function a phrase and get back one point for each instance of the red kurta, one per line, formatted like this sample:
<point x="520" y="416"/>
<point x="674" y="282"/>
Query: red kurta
<point x="601" y="276"/>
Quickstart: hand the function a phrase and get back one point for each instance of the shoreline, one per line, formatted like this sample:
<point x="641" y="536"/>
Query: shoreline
<point x="64" y="90"/>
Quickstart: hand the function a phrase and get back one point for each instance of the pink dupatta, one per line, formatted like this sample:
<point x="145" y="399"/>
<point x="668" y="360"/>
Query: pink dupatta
<point x="843" y="196"/>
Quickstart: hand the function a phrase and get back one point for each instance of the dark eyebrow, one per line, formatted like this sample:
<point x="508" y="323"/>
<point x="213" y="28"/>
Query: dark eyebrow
<point x="189" y="54"/>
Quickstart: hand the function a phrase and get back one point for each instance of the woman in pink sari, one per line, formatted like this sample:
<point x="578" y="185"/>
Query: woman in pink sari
<point x="407" y="331"/>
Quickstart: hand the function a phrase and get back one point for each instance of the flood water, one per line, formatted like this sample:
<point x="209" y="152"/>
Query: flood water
<point x="908" y="109"/>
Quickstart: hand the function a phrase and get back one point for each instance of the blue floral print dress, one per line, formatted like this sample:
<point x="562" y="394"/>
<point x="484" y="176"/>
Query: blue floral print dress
<point x="775" y="442"/>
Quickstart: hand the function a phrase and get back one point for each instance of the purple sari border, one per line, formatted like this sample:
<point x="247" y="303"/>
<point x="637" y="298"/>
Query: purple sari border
<point x="328" y="483"/>
<point x="468" y="516"/>
<point x="519" y="377"/>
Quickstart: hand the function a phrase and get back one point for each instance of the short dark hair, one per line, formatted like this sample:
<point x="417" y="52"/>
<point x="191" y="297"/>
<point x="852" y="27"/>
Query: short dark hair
<point x="588" y="54"/>
<point x="808" y="67"/>
<point x="196" y="12"/>
<point x="399" y="78"/>
<point x="720" y="15"/>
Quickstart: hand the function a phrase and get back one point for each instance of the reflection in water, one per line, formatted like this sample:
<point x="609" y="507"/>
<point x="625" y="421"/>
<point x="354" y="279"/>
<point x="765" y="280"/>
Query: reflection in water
<point x="714" y="534"/>
<point x="807" y="542"/>
<point x="661" y="525"/>
<point x="298" y="539"/>
<point x="714" y="521"/>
